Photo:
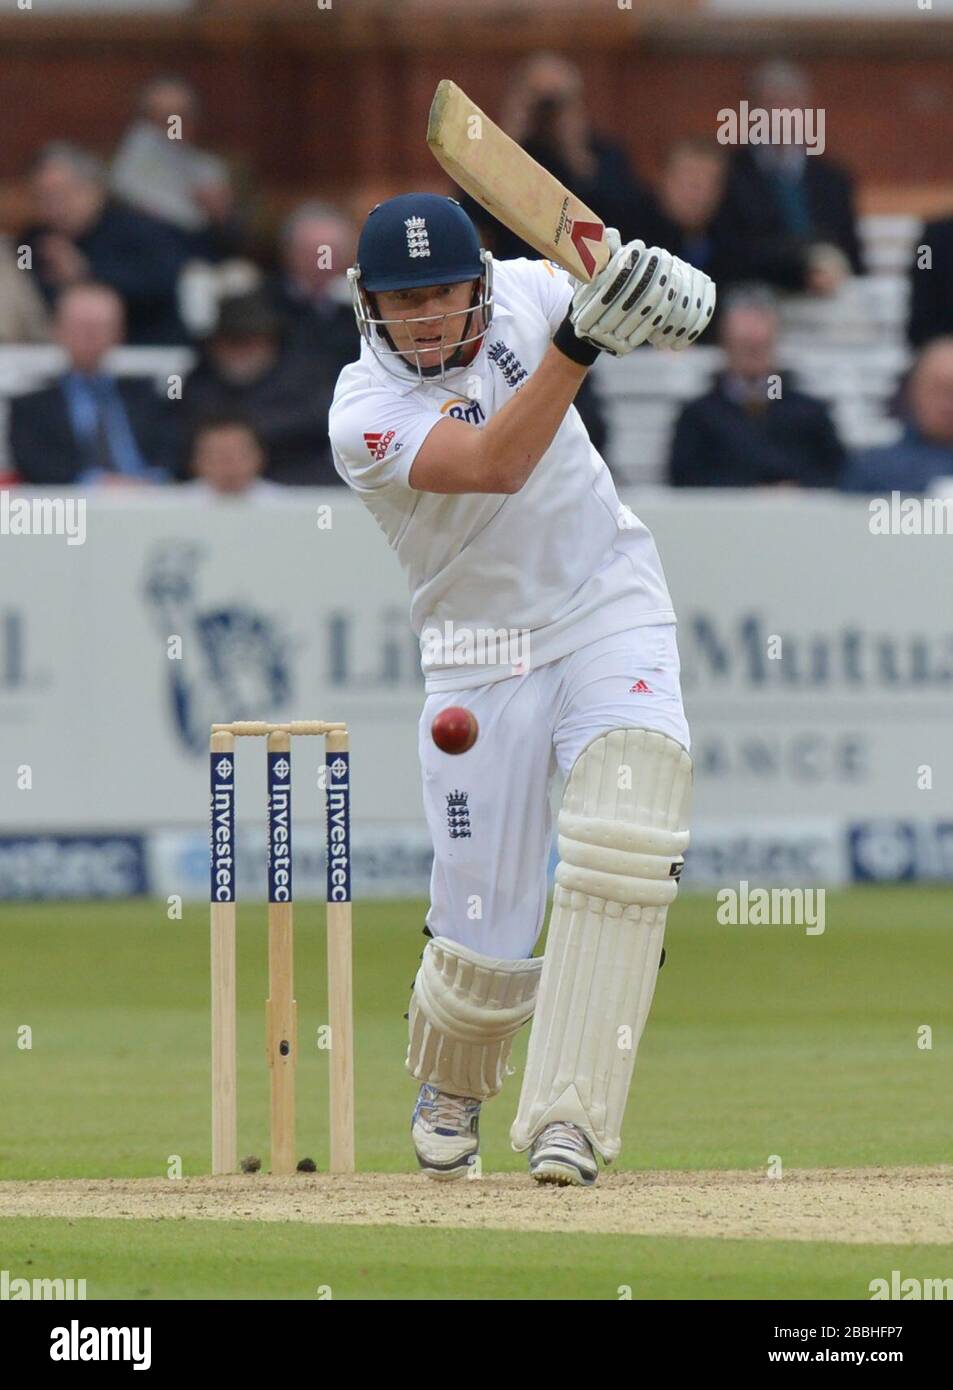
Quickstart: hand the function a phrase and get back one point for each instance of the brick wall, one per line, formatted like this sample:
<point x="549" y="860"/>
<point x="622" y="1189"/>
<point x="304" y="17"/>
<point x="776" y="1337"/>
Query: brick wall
<point x="330" y="101"/>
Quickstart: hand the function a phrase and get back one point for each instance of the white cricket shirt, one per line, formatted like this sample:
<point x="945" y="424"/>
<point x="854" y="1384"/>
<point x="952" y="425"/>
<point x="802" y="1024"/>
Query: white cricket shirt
<point x="561" y="562"/>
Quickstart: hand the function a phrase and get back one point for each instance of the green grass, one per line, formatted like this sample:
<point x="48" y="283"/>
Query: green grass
<point x="230" y="1259"/>
<point x="762" y="1040"/>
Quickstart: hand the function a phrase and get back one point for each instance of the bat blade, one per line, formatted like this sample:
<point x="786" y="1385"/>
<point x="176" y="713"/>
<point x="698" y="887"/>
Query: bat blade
<point x="511" y="185"/>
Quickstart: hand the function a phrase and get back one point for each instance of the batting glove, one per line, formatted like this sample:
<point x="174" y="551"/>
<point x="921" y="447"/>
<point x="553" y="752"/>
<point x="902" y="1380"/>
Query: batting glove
<point x="644" y="295"/>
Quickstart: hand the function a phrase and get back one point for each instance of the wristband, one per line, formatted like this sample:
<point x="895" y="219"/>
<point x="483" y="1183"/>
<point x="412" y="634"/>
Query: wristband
<point x="572" y="346"/>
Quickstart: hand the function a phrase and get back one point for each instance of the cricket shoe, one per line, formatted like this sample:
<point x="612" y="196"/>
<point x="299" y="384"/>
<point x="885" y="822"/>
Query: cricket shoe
<point x="563" y="1154"/>
<point x="446" y="1133"/>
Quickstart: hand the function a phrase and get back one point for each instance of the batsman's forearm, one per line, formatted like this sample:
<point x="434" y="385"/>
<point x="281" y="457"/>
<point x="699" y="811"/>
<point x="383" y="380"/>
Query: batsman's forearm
<point x="517" y="436"/>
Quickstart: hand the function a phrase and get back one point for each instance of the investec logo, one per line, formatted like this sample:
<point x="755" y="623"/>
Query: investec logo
<point x="339" y="867"/>
<point x="222" y="802"/>
<point x="279" y="837"/>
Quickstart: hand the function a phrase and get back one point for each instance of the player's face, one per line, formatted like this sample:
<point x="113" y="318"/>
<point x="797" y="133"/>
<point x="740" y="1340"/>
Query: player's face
<point x="429" y="321"/>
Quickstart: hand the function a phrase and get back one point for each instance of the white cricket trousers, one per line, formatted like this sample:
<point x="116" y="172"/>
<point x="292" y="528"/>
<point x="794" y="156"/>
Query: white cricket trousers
<point x="489" y="810"/>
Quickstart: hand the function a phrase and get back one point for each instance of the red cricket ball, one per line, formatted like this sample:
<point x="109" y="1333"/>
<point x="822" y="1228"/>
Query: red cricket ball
<point x="455" y="729"/>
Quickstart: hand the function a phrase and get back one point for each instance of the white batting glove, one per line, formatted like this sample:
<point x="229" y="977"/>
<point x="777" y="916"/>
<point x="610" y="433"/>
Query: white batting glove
<point x="644" y="295"/>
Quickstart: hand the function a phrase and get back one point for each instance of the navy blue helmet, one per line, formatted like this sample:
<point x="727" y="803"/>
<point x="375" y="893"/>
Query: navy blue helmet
<point x="414" y="241"/>
<point x="418" y="239"/>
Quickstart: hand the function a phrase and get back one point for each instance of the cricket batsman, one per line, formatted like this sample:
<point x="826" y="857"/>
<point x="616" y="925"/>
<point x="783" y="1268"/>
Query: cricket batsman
<point x="457" y="429"/>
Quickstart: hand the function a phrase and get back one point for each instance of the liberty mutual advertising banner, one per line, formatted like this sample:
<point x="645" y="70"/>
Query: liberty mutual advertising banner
<point x="817" y="662"/>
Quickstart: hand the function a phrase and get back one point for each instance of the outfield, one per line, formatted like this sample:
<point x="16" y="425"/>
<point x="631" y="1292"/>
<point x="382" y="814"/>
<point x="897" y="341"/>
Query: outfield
<point x="763" y="1041"/>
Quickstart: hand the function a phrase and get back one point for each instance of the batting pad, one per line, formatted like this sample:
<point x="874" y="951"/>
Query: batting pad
<point x="464" y="1012"/>
<point x="622" y="837"/>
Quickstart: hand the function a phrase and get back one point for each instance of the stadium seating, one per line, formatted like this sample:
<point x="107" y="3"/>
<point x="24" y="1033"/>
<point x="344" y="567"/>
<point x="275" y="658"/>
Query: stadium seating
<point x="850" y="351"/>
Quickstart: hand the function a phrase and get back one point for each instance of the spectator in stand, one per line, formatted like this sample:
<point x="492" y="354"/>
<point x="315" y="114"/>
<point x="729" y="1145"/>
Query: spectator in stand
<point x="249" y="365"/>
<point x="684" y="212"/>
<point x="545" y="112"/>
<point x="743" y="433"/>
<point x="790" y="214"/>
<point x="931" y="288"/>
<point x="89" y="425"/>
<point x="81" y="235"/>
<point x="318" y="243"/>
<point x="161" y="172"/>
<point x="227" y="462"/>
<point x="925" y="452"/>
<point x="24" y="317"/>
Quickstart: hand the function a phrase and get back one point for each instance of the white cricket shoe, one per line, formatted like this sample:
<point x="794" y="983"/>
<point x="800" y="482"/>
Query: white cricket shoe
<point x="446" y="1133"/>
<point x="563" y="1154"/>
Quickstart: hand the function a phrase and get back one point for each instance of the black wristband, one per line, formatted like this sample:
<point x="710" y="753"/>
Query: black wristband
<point x="575" y="348"/>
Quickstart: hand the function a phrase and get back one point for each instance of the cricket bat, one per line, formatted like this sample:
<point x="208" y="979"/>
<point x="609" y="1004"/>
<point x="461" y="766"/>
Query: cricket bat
<point x="510" y="184"/>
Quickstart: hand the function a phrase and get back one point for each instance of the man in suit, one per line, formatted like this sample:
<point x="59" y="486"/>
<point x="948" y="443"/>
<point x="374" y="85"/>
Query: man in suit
<point x="310" y="289"/>
<point x="790" y="214"/>
<point x="81" y="234"/>
<point x="90" y="426"/>
<point x="753" y="428"/>
<point x="931" y="284"/>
